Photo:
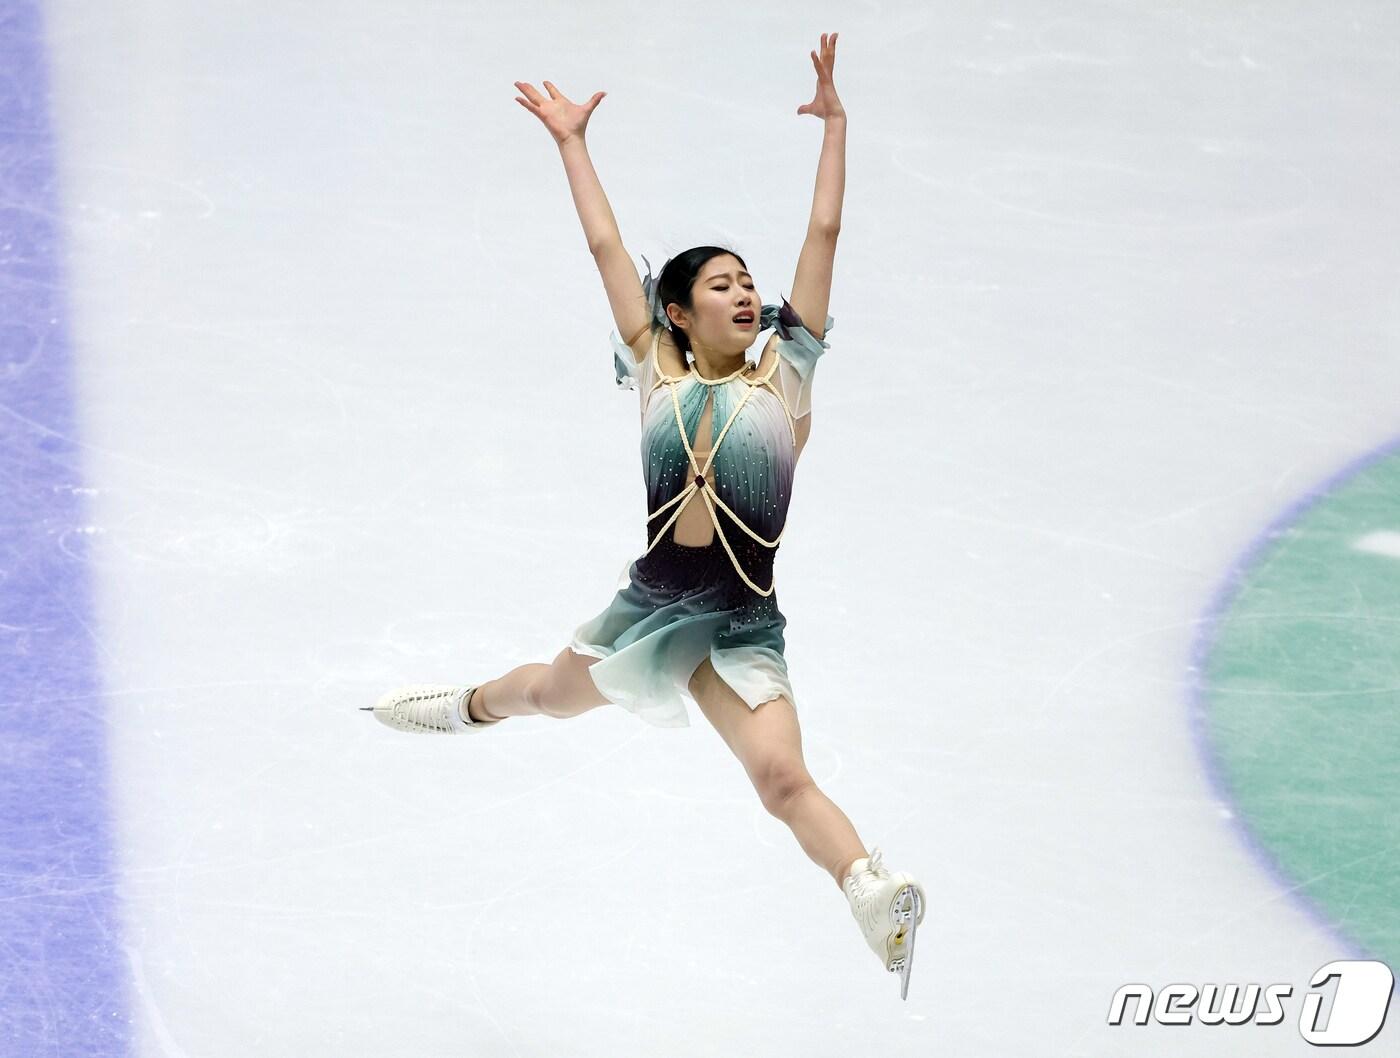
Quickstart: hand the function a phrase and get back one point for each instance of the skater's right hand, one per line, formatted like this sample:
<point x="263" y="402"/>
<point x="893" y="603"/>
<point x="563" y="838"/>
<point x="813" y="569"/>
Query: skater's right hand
<point x="563" y="118"/>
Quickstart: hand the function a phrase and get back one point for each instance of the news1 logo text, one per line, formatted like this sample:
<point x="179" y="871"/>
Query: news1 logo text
<point x="1355" y="1015"/>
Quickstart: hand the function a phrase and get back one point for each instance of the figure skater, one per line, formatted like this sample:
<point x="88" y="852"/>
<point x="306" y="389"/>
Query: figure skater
<point x="696" y="616"/>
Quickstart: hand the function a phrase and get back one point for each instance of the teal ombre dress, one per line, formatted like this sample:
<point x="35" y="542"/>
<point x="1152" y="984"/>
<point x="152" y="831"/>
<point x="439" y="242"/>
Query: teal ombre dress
<point x="678" y="604"/>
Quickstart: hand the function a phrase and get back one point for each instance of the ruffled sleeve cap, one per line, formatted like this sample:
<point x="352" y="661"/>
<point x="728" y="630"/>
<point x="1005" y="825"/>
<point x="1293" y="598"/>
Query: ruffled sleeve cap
<point x="797" y="343"/>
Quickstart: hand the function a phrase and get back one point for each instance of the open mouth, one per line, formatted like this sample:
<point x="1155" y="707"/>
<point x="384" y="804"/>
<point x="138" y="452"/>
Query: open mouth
<point x="744" y="319"/>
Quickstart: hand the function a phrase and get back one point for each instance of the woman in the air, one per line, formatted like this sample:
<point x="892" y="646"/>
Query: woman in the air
<point x="696" y="618"/>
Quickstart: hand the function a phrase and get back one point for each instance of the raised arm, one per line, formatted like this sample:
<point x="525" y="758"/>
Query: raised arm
<point x="567" y="122"/>
<point x="811" y="287"/>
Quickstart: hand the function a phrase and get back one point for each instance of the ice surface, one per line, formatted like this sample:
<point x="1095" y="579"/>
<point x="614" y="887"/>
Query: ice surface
<point x="1116" y="284"/>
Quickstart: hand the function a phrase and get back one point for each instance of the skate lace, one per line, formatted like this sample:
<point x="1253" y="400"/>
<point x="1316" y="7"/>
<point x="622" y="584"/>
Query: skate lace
<point x="866" y="885"/>
<point x="872" y="874"/>
<point x="876" y="864"/>
<point x="423" y="710"/>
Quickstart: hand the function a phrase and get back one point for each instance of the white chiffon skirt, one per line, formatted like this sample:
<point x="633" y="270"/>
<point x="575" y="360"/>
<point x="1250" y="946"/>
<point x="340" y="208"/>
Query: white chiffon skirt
<point x="674" y="607"/>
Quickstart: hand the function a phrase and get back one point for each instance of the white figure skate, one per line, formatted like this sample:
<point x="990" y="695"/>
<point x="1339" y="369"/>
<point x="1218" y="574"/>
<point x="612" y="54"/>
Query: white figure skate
<point x="889" y="908"/>
<point x="428" y="709"/>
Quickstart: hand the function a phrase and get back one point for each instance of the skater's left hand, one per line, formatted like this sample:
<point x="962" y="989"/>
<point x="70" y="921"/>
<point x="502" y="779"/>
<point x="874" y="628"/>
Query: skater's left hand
<point x="825" y="103"/>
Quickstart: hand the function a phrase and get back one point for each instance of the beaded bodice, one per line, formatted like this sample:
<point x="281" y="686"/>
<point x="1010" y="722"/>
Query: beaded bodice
<point x="752" y="449"/>
<point x="742" y="472"/>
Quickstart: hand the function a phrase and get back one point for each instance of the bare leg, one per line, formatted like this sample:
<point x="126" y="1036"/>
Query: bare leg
<point x="823" y="830"/>
<point x="507" y="695"/>
<point x="768" y="743"/>
<point x="561" y="689"/>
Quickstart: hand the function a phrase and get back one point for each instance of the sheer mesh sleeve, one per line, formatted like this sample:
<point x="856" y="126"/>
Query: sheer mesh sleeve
<point x="798" y="352"/>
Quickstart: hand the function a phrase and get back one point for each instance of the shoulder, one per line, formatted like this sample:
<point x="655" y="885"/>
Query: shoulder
<point x="769" y="354"/>
<point x="669" y="358"/>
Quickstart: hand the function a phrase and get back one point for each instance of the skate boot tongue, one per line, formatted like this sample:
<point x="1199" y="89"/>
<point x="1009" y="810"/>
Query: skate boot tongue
<point x="873" y="864"/>
<point x="876" y="863"/>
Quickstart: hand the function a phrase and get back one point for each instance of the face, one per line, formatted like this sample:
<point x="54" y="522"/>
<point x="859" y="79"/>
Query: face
<point x="722" y="291"/>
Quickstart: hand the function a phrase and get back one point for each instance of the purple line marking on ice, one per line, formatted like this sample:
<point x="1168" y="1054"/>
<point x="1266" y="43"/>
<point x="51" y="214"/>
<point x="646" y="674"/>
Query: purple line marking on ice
<point x="1209" y="624"/>
<point x="63" y="983"/>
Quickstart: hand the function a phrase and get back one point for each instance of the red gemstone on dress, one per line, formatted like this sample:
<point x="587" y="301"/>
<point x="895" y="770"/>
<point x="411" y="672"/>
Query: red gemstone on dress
<point x="699" y="481"/>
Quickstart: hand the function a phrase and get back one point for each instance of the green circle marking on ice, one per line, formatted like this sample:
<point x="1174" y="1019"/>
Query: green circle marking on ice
<point x="1300" y="693"/>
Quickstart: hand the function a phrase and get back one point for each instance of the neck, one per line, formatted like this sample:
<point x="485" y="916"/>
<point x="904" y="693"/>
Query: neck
<point x="712" y="363"/>
<point x="709" y="367"/>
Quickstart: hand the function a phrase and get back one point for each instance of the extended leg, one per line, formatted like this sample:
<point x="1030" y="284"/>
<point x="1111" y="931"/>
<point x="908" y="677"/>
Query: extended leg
<point x="768" y="742"/>
<point x="561" y="689"/>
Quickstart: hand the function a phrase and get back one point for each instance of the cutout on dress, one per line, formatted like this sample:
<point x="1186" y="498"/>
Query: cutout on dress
<point x="694" y="527"/>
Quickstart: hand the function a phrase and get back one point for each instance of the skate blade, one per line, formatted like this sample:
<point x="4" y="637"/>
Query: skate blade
<point x="907" y="908"/>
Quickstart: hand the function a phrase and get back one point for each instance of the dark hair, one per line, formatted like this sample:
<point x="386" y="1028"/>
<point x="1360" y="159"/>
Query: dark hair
<point x="679" y="276"/>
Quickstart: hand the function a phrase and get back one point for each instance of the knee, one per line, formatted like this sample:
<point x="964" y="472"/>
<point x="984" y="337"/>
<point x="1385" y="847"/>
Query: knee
<point x="553" y="691"/>
<point x="539" y="692"/>
<point x="780" y="783"/>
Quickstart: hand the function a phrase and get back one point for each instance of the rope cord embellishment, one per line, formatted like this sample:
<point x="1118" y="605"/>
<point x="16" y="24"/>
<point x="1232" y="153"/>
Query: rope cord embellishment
<point x="698" y="483"/>
<point x="785" y="320"/>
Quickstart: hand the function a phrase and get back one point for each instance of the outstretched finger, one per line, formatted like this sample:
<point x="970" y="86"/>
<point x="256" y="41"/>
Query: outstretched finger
<point x="529" y="91"/>
<point x="554" y="93"/>
<point x="829" y="49"/>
